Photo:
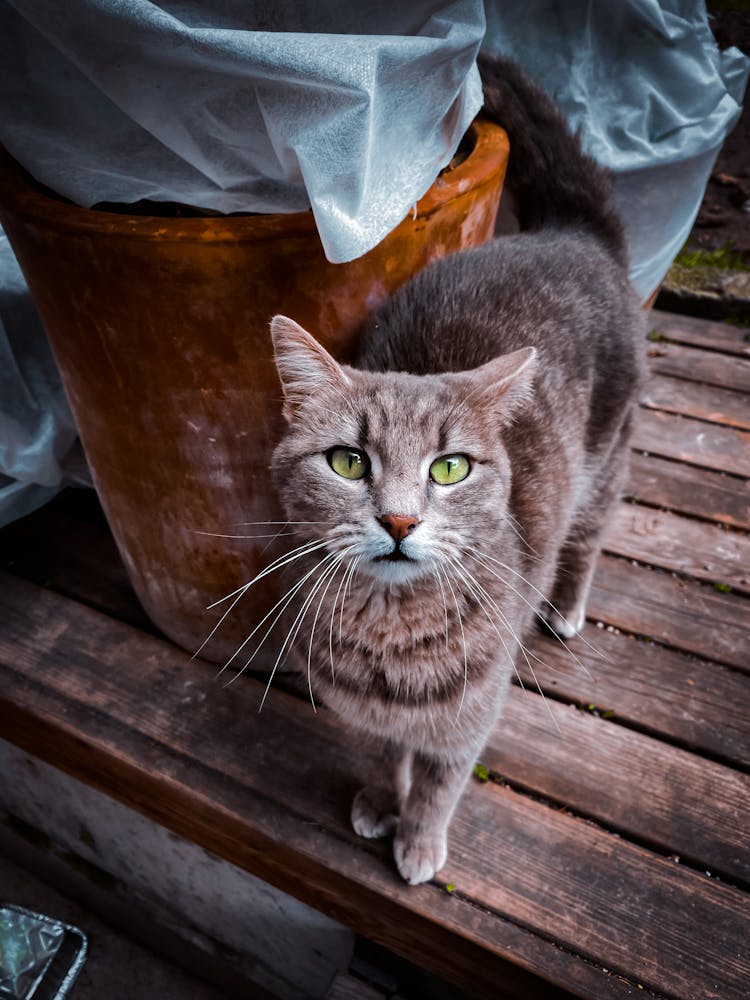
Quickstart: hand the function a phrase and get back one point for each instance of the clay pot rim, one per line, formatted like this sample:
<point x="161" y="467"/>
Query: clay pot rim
<point x="22" y="197"/>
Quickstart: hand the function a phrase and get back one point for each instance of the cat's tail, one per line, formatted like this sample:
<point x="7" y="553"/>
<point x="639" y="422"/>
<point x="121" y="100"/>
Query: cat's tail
<point x="554" y="183"/>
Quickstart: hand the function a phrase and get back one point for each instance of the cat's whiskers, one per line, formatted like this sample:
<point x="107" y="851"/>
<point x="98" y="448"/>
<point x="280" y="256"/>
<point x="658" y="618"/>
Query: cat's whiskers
<point x="479" y="555"/>
<point x="277" y="563"/>
<point x="239" y="524"/>
<point x="445" y="603"/>
<point x="333" y="616"/>
<point x="512" y="522"/>
<point x="241" y="591"/>
<point x="293" y="631"/>
<point x="481" y="596"/>
<point x="525" y="651"/>
<point x="347" y="587"/>
<point x="479" y="558"/>
<point x="284" y="602"/>
<point x="442" y="571"/>
<point x="335" y="567"/>
<point x="521" y="646"/>
<point x="218" y="534"/>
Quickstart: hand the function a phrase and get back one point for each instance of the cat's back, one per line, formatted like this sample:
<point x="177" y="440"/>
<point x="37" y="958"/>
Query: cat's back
<point x="559" y="291"/>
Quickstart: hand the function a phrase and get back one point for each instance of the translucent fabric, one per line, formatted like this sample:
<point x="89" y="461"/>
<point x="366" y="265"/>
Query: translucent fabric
<point x="649" y="91"/>
<point x="238" y="107"/>
<point x="242" y="107"/>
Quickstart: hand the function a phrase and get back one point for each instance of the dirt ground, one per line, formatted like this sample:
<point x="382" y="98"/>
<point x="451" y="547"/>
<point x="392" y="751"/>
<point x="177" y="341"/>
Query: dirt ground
<point x="724" y="218"/>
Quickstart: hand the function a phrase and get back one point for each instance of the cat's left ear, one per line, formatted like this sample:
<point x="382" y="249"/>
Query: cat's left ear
<point x="505" y="383"/>
<point x="305" y="368"/>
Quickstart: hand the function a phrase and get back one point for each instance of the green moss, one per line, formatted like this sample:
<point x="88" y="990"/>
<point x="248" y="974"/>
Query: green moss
<point x="743" y="322"/>
<point x="450" y="887"/>
<point x="658" y="338"/>
<point x="723" y="588"/>
<point x="725" y="257"/>
<point x="716" y="6"/>
<point x="600" y="713"/>
<point x="481" y="773"/>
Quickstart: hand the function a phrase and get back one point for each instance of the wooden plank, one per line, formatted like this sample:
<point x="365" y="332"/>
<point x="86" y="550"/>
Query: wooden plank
<point x="73" y="552"/>
<point x="693" y="548"/>
<point x="696" y="703"/>
<point x="615" y="914"/>
<point x="345" y="987"/>
<point x="694" y="399"/>
<point x="271" y="793"/>
<point x="680" y="613"/>
<point x="701" y="332"/>
<point x="626" y="780"/>
<point x="712" y="446"/>
<point x="688" y="489"/>
<point x="695" y="365"/>
<point x="132" y="715"/>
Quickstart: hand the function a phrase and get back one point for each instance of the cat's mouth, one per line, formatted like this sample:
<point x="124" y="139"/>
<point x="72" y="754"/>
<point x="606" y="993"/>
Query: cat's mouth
<point x="395" y="556"/>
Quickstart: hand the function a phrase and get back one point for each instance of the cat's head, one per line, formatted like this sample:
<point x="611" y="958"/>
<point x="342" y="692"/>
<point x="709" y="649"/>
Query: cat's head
<point x="408" y="470"/>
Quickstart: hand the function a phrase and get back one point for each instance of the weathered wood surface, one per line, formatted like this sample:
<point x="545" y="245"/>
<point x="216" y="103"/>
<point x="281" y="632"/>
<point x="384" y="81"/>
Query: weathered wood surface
<point x="691" y="548"/>
<point x="98" y="697"/>
<point x="712" y="335"/>
<point x="346" y="987"/>
<point x="682" y="699"/>
<point x="698" y="442"/>
<point x="706" y="402"/>
<point x="707" y="367"/>
<point x="687" y="489"/>
<point x="268" y="791"/>
<point x="565" y="878"/>
<point x="678" y="612"/>
<point x="627" y="781"/>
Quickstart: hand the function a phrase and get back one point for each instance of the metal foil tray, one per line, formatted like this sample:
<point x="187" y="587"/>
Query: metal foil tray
<point x="39" y="957"/>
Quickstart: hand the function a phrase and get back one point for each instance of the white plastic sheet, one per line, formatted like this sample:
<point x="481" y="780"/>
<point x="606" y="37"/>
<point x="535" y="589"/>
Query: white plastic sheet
<point x="236" y="106"/>
<point x="242" y="107"/>
<point x="653" y="98"/>
<point x="37" y="428"/>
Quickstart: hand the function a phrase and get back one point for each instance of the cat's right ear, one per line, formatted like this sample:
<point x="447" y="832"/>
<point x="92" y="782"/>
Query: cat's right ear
<point x="305" y="368"/>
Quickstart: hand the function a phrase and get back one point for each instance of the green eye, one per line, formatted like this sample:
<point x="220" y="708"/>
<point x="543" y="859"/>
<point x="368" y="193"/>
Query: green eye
<point x="348" y="462"/>
<point x="449" y="469"/>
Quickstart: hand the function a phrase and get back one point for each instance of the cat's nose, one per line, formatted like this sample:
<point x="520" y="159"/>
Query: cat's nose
<point x="398" y="526"/>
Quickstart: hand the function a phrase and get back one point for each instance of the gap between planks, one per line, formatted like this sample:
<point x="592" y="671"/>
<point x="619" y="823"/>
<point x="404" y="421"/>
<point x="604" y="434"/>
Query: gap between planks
<point x="696" y="704"/>
<point x="658" y="795"/>
<point x="680" y="613"/>
<point x="692" y="548"/>
<point x="712" y="335"/>
<point x="113" y="697"/>
<point x="687" y="489"/>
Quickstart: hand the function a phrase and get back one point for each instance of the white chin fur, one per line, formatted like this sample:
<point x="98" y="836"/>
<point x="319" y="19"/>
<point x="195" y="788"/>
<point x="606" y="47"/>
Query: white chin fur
<point x="395" y="572"/>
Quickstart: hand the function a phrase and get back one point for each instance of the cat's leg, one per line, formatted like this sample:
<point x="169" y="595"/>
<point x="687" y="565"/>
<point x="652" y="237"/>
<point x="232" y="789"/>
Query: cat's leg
<point x="421" y="843"/>
<point x="376" y="807"/>
<point x="565" y="613"/>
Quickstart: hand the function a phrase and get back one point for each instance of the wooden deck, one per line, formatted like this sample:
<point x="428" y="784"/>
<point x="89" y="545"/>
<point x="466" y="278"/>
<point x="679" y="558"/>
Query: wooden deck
<point x="606" y="857"/>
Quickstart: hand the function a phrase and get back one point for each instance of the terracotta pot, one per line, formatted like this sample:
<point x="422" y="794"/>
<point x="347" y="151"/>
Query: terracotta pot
<point x="160" y="329"/>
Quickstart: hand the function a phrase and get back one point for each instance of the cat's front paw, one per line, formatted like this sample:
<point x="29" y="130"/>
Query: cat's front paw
<point x="565" y="627"/>
<point x="419" y="858"/>
<point x="374" y="812"/>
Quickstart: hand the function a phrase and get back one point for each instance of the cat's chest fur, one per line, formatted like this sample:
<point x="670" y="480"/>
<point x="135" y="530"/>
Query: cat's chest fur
<point x="398" y="663"/>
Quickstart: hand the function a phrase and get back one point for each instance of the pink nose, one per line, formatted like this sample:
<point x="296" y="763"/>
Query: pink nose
<point x="398" y="526"/>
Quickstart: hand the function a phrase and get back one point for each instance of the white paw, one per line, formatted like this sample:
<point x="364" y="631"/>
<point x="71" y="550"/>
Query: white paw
<point x="372" y="813"/>
<point x="565" y="628"/>
<point x="420" y="858"/>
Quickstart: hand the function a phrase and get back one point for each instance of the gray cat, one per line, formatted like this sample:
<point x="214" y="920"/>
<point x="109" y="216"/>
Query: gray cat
<point x="457" y="477"/>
